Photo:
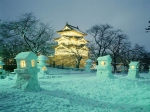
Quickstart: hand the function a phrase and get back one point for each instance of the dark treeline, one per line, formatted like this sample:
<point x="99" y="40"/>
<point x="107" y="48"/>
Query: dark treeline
<point x="107" y="40"/>
<point x="25" y="34"/>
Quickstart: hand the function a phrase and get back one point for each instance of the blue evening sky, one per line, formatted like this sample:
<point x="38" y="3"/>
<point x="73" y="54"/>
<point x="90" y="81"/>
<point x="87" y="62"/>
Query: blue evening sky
<point x="131" y="16"/>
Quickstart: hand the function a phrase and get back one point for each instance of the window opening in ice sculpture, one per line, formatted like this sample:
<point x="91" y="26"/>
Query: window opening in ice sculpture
<point x="44" y="68"/>
<point x="33" y="63"/>
<point x="102" y="63"/>
<point x="22" y="64"/>
<point x="132" y="67"/>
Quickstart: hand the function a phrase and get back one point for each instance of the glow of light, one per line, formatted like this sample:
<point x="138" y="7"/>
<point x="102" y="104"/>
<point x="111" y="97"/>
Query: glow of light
<point x="132" y="67"/>
<point x="102" y="63"/>
<point x="33" y="63"/>
<point x="44" y="68"/>
<point x="22" y="64"/>
<point x="1" y="67"/>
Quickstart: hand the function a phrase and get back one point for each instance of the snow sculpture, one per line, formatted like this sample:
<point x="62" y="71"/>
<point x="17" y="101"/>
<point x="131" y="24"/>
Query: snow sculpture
<point x="104" y="68"/>
<point x="2" y="72"/>
<point x="122" y="69"/>
<point x="27" y="72"/>
<point x="88" y="65"/>
<point x="142" y="69"/>
<point x="42" y="65"/>
<point x="133" y="71"/>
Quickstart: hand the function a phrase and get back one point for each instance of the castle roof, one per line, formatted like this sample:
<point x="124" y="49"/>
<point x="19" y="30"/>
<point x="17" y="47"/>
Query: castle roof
<point x="71" y="46"/>
<point x="72" y="37"/>
<point x="71" y="28"/>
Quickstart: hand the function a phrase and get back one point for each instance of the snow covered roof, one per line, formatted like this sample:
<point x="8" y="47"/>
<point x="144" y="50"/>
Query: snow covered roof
<point x="107" y="57"/>
<point x="42" y="57"/>
<point x="134" y="63"/>
<point x="26" y="55"/>
<point x="89" y="60"/>
<point x="70" y="28"/>
<point x="1" y="63"/>
<point x="57" y="38"/>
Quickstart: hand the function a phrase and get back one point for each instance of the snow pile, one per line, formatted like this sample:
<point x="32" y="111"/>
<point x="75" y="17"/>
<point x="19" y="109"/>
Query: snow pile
<point x="78" y="94"/>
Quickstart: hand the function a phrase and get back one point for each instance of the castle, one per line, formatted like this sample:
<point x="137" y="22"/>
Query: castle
<point x="71" y="49"/>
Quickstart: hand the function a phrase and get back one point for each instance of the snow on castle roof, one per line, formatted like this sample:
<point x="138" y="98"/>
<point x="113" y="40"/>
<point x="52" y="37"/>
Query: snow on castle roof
<point x="70" y="27"/>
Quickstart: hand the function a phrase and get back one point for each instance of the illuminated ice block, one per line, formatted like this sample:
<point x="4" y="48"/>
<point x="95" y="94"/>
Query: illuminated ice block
<point x="133" y="71"/>
<point x="104" y="69"/>
<point x="27" y="71"/>
<point x="88" y="65"/>
<point x="42" y="65"/>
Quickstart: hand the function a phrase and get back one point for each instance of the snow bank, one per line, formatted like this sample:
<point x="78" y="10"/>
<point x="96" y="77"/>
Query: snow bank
<point x="78" y="94"/>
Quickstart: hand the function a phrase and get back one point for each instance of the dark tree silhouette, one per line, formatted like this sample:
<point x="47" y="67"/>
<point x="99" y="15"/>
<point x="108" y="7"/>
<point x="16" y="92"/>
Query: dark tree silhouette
<point x="102" y="38"/>
<point x="148" y="29"/>
<point x="34" y="35"/>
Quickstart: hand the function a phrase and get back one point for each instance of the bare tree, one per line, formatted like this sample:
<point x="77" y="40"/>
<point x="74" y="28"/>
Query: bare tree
<point x="133" y="53"/>
<point x="75" y="54"/>
<point x="10" y="44"/>
<point x="125" y="57"/>
<point x="117" y="48"/>
<point x="78" y="53"/>
<point x="107" y="41"/>
<point x="136" y="52"/>
<point x="104" y="36"/>
<point x="10" y="47"/>
<point x="28" y="34"/>
<point x="145" y="60"/>
<point x="37" y="36"/>
<point x="100" y="33"/>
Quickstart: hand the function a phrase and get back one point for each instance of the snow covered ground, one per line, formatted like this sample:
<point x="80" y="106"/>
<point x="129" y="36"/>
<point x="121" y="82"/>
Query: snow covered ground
<point x="78" y="92"/>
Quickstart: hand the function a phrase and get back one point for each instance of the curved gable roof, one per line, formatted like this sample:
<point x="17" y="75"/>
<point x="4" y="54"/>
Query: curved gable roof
<point x="70" y="28"/>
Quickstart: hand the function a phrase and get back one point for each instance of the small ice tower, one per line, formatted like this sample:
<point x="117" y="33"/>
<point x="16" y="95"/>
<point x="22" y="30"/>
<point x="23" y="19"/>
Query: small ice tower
<point x="133" y="71"/>
<point x="27" y="71"/>
<point x="104" y="68"/>
<point x="2" y="72"/>
<point x="42" y="64"/>
<point x="88" y="65"/>
<point x="122" y="69"/>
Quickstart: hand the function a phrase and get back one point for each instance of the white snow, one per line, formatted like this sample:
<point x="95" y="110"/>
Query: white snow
<point x="76" y="91"/>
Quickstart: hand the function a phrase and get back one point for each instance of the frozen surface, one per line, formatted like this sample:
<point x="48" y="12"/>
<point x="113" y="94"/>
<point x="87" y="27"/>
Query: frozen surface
<point x="78" y="93"/>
